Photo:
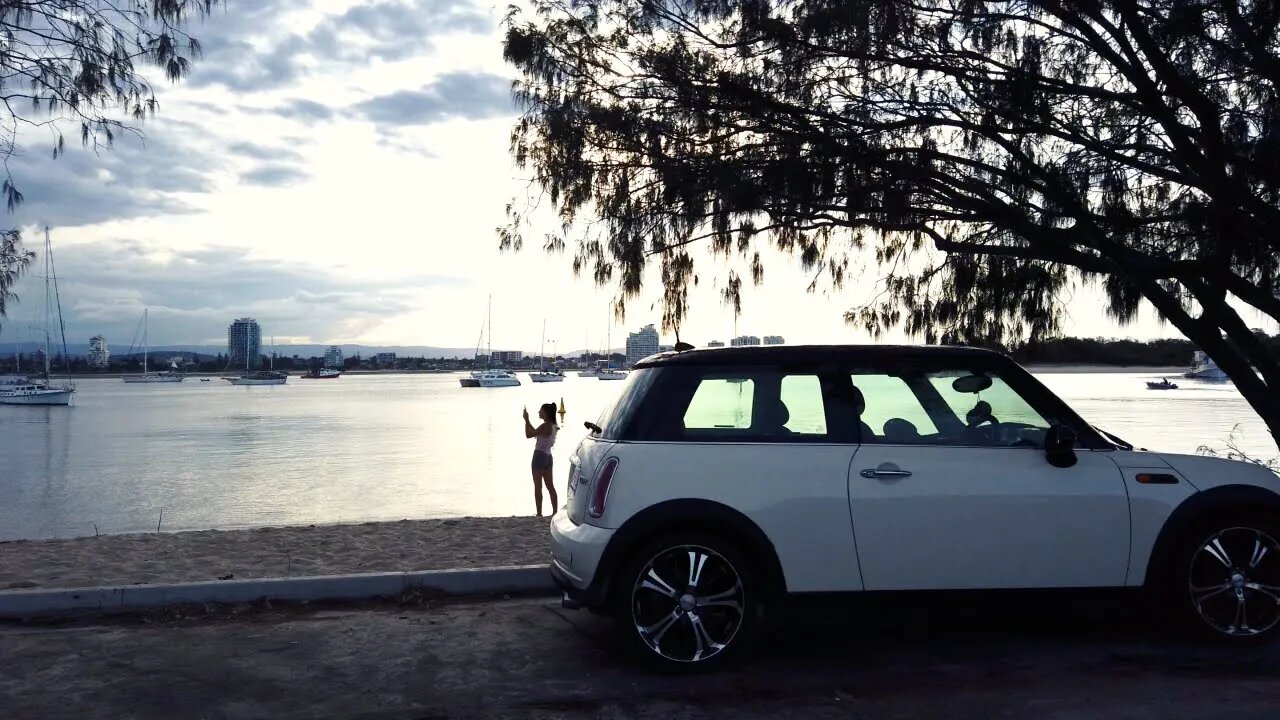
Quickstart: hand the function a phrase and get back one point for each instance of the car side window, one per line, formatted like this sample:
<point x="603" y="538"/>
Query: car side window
<point x="993" y="413"/>
<point x="802" y="396"/>
<point x="893" y="412"/>
<point x="723" y="402"/>
<point x="762" y="404"/>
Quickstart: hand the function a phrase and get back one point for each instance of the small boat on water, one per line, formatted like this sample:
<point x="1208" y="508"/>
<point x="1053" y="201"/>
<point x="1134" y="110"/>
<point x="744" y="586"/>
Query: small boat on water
<point x="488" y="377"/>
<point x="543" y="375"/>
<point x="24" y="390"/>
<point x="1204" y="368"/>
<point x="146" y="376"/>
<point x="261" y="377"/>
<point x="322" y="374"/>
<point x="495" y="378"/>
<point x="205" y="380"/>
<point x="1164" y="384"/>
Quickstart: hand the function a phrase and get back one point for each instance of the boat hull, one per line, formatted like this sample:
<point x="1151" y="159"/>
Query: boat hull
<point x="611" y="376"/>
<point x="468" y="382"/>
<point x="256" y="381"/>
<point x="545" y="377"/>
<point x="42" y="397"/>
<point x="144" y="379"/>
<point x="490" y="382"/>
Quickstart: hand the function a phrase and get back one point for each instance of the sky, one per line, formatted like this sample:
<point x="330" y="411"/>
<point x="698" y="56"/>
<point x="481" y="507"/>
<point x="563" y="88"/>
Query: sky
<point x="337" y="170"/>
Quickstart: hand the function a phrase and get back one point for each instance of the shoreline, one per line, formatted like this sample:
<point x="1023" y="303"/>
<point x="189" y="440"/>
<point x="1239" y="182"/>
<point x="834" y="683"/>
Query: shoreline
<point x="292" y="551"/>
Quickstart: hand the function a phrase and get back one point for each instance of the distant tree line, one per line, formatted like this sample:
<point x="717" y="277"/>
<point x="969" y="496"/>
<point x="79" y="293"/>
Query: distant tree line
<point x="1111" y="351"/>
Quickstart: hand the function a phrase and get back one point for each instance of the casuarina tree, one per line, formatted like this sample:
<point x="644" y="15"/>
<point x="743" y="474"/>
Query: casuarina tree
<point x="987" y="155"/>
<point x="77" y="66"/>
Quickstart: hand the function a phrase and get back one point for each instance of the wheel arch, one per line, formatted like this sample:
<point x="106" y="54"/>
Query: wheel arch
<point x="1193" y="509"/>
<point x="684" y="514"/>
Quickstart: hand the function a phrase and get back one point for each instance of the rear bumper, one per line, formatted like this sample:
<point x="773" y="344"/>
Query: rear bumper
<point x="575" y="560"/>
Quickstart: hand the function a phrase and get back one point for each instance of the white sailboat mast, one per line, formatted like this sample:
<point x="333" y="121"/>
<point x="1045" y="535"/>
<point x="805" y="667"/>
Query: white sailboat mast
<point x="145" y="325"/>
<point x="47" y="302"/>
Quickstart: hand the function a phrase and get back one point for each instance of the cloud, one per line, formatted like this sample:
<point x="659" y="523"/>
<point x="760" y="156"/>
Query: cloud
<point x="252" y="51"/>
<point x="136" y="177"/>
<point x="468" y="95"/>
<point x="263" y="152"/>
<point x="273" y="175"/>
<point x="193" y="294"/>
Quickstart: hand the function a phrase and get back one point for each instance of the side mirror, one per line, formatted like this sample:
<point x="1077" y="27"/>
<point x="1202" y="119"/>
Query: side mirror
<point x="1060" y="446"/>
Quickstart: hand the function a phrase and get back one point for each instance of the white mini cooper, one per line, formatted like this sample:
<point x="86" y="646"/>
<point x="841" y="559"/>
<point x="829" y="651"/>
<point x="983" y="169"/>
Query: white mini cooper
<point x="724" y="479"/>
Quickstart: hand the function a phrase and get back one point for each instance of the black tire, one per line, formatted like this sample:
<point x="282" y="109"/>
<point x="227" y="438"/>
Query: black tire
<point x="1223" y="577"/>
<point x="663" y="628"/>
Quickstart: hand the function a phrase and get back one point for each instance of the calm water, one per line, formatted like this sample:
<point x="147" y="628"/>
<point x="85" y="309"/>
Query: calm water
<point x="211" y="455"/>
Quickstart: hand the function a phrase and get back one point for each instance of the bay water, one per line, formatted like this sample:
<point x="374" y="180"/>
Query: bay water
<point x="203" y="455"/>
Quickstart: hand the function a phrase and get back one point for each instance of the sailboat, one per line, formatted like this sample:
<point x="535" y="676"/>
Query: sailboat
<point x="608" y="372"/>
<point x="542" y="375"/>
<point x="42" y="391"/>
<point x="260" y="377"/>
<point x="489" y="377"/>
<point x="590" y="371"/>
<point x="150" y="377"/>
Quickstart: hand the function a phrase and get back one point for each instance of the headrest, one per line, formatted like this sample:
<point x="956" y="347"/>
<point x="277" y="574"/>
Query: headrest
<point x="773" y="416"/>
<point x="899" y="430"/>
<point x="859" y="402"/>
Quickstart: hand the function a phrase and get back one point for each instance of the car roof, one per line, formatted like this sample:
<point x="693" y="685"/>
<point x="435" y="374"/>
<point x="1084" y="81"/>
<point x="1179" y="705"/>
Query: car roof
<point x="753" y="354"/>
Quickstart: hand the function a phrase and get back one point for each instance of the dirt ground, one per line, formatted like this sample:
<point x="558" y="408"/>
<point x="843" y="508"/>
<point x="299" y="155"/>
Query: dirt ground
<point x="531" y="659"/>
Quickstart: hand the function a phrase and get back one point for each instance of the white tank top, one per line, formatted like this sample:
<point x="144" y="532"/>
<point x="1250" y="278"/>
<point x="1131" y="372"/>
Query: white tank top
<point x="544" y="443"/>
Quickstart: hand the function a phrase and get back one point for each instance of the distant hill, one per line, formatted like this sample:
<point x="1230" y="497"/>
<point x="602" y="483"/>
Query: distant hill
<point x="205" y="351"/>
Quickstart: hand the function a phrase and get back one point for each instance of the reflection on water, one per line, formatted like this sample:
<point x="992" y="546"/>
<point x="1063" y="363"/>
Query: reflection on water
<point x="212" y="455"/>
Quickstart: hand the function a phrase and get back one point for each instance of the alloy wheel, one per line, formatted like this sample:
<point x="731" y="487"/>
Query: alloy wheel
<point x="1234" y="582"/>
<point x="688" y="603"/>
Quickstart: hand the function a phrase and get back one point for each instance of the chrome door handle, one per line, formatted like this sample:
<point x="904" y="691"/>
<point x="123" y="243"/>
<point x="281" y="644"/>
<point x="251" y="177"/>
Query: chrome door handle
<point x="874" y="473"/>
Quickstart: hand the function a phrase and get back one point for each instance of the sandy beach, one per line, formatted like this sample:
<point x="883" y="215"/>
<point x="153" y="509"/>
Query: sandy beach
<point x="273" y="552"/>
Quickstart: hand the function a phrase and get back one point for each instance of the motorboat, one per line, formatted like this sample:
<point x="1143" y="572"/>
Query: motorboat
<point x="610" y="374"/>
<point x="497" y="378"/>
<point x="1204" y="368"/>
<point x="322" y="374"/>
<point x="543" y="376"/>
<point x="1164" y="384"/>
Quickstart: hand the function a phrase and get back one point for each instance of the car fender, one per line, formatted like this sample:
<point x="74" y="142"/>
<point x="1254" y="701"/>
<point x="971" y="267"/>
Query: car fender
<point x="1197" y="506"/>
<point x="686" y="514"/>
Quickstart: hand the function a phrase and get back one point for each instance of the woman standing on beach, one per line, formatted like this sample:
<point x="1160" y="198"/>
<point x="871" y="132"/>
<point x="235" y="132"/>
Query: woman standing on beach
<point x="544" y="439"/>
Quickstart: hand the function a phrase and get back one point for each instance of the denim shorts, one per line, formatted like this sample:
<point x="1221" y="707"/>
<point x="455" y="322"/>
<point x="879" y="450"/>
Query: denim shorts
<point x="541" y="460"/>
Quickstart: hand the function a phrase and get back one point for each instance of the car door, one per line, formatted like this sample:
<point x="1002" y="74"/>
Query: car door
<point x="769" y="442"/>
<point x="950" y="489"/>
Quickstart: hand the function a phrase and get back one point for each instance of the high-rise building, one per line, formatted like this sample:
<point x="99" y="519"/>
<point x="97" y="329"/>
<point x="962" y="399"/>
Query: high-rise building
<point x="744" y="340"/>
<point x="99" y="354"/>
<point x="244" y="342"/>
<point x="385" y="358"/>
<point x="333" y="357"/>
<point x="642" y="344"/>
<point x="774" y="340"/>
<point x="506" y="357"/>
<point x="715" y="343"/>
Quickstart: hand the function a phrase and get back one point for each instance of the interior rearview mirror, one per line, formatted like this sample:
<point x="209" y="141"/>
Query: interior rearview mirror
<point x="1060" y="446"/>
<point x="971" y="383"/>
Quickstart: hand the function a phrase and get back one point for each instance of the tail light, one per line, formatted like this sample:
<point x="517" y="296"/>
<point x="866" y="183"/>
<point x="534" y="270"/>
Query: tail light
<point x="600" y="490"/>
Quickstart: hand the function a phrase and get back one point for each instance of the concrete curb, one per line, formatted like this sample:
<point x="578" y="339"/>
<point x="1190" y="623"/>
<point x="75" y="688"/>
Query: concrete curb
<point x="25" y="604"/>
